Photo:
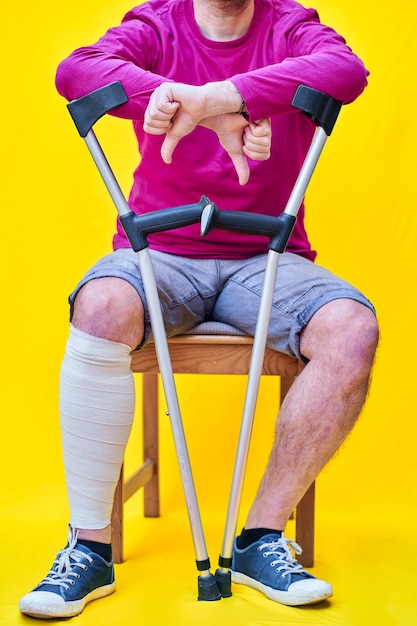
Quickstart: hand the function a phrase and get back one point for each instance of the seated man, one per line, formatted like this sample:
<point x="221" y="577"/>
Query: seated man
<point x="204" y="77"/>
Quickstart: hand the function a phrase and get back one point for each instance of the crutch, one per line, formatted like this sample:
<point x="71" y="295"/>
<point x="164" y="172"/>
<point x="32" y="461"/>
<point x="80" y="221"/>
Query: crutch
<point x="323" y="111"/>
<point x="85" y="112"/>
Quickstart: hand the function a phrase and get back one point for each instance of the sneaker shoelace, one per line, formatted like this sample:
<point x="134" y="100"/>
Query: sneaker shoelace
<point x="63" y="572"/>
<point x="284" y="549"/>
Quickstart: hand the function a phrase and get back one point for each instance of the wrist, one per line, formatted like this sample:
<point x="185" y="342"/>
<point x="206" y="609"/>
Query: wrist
<point x="223" y="97"/>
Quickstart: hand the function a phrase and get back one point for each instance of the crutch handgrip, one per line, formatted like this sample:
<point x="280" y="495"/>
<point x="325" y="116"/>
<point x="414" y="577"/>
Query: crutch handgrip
<point x="86" y="111"/>
<point x="278" y="229"/>
<point x="138" y="227"/>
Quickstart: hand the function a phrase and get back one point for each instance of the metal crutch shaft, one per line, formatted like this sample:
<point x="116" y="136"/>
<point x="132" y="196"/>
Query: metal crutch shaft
<point x="85" y="112"/>
<point x="323" y="111"/>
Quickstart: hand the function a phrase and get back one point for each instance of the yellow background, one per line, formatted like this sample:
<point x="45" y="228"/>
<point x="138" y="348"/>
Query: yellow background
<point x="57" y="219"/>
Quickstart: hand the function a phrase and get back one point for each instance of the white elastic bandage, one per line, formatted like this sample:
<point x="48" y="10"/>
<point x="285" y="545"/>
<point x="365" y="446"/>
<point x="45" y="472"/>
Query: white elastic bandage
<point x="97" y="407"/>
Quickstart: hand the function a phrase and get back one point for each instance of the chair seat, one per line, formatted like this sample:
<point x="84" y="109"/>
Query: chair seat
<point x="209" y="348"/>
<point x="214" y="348"/>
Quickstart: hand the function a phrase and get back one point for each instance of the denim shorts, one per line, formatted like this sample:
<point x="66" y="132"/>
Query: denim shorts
<point x="223" y="290"/>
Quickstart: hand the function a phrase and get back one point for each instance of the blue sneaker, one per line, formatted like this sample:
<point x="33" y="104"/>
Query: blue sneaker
<point x="77" y="577"/>
<point x="269" y="566"/>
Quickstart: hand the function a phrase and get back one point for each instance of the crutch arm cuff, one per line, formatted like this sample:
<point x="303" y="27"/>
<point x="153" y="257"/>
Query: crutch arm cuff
<point x="318" y="106"/>
<point x="86" y="111"/>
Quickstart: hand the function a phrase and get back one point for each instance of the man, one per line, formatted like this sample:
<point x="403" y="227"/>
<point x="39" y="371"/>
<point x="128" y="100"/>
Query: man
<point x="190" y="69"/>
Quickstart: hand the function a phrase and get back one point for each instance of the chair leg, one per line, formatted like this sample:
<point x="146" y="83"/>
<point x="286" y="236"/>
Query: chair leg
<point x="150" y="442"/>
<point x="285" y="384"/>
<point x="305" y="511"/>
<point x="150" y="452"/>
<point x="117" y="521"/>
<point x="304" y="526"/>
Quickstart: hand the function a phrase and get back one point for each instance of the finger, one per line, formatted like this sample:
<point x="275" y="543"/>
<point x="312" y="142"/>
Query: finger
<point x="261" y="128"/>
<point x="257" y="147"/>
<point x="257" y="154"/>
<point x="257" y="151"/>
<point x="157" y="127"/>
<point x="158" y="120"/>
<point x="260" y="149"/>
<point x="262" y="142"/>
<point x="257" y="139"/>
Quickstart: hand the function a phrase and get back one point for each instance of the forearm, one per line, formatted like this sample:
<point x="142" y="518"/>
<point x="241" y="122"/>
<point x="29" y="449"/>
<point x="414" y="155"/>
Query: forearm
<point x="317" y="57"/>
<point x="87" y="69"/>
<point x="269" y="93"/>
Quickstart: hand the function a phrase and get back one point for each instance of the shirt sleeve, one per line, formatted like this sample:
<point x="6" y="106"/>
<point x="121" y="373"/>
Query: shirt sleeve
<point x="316" y="56"/>
<point x="125" y="53"/>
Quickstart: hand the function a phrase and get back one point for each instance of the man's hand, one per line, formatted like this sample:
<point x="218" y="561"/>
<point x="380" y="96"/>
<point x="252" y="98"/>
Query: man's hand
<point x="257" y="140"/>
<point x="175" y="110"/>
<point x="241" y="140"/>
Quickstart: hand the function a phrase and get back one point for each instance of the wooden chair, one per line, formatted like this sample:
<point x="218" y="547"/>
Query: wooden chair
<point x="198" y="352"/>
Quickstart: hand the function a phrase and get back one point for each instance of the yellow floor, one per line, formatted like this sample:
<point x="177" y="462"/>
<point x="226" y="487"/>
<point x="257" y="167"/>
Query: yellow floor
<point x="365" y="545"/>
<point x="373" y="573"/>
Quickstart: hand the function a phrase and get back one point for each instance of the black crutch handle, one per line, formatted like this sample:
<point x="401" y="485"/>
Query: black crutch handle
<point x="278" y="229"/>
<point x="86" y="111"/>
<point x="318" y="106"/>
<point x="138" y="227"/>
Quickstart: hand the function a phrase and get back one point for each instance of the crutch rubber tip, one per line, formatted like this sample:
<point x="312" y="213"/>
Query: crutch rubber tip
<point x="208" y="590"/>
<point x="224" y="582"/>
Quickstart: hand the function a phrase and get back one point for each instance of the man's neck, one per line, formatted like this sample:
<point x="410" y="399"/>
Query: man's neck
<point x="223" y="20"/>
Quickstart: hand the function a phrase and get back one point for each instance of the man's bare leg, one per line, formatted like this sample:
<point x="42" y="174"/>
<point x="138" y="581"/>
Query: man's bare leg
<point x="320" y="409"/>
<point x="316" y="416"/>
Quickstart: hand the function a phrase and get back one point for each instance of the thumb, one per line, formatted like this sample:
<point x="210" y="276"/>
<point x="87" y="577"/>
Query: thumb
<point x="241" y="166"/>
<point x="181" y="126"/>
<point x="168" y="146"/>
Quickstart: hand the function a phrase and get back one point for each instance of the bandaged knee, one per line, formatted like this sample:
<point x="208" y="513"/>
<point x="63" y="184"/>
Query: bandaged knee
<point x="97" y="400"/>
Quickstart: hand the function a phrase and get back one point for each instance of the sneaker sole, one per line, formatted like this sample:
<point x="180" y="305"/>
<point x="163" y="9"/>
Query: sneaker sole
<point x="285" y="597"/>
<point x="33" y="607"/>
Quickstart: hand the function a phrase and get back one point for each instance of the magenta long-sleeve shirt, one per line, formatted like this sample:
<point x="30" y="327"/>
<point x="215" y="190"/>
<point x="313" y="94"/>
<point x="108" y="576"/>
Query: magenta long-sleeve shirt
<point x="285" y="46"/>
